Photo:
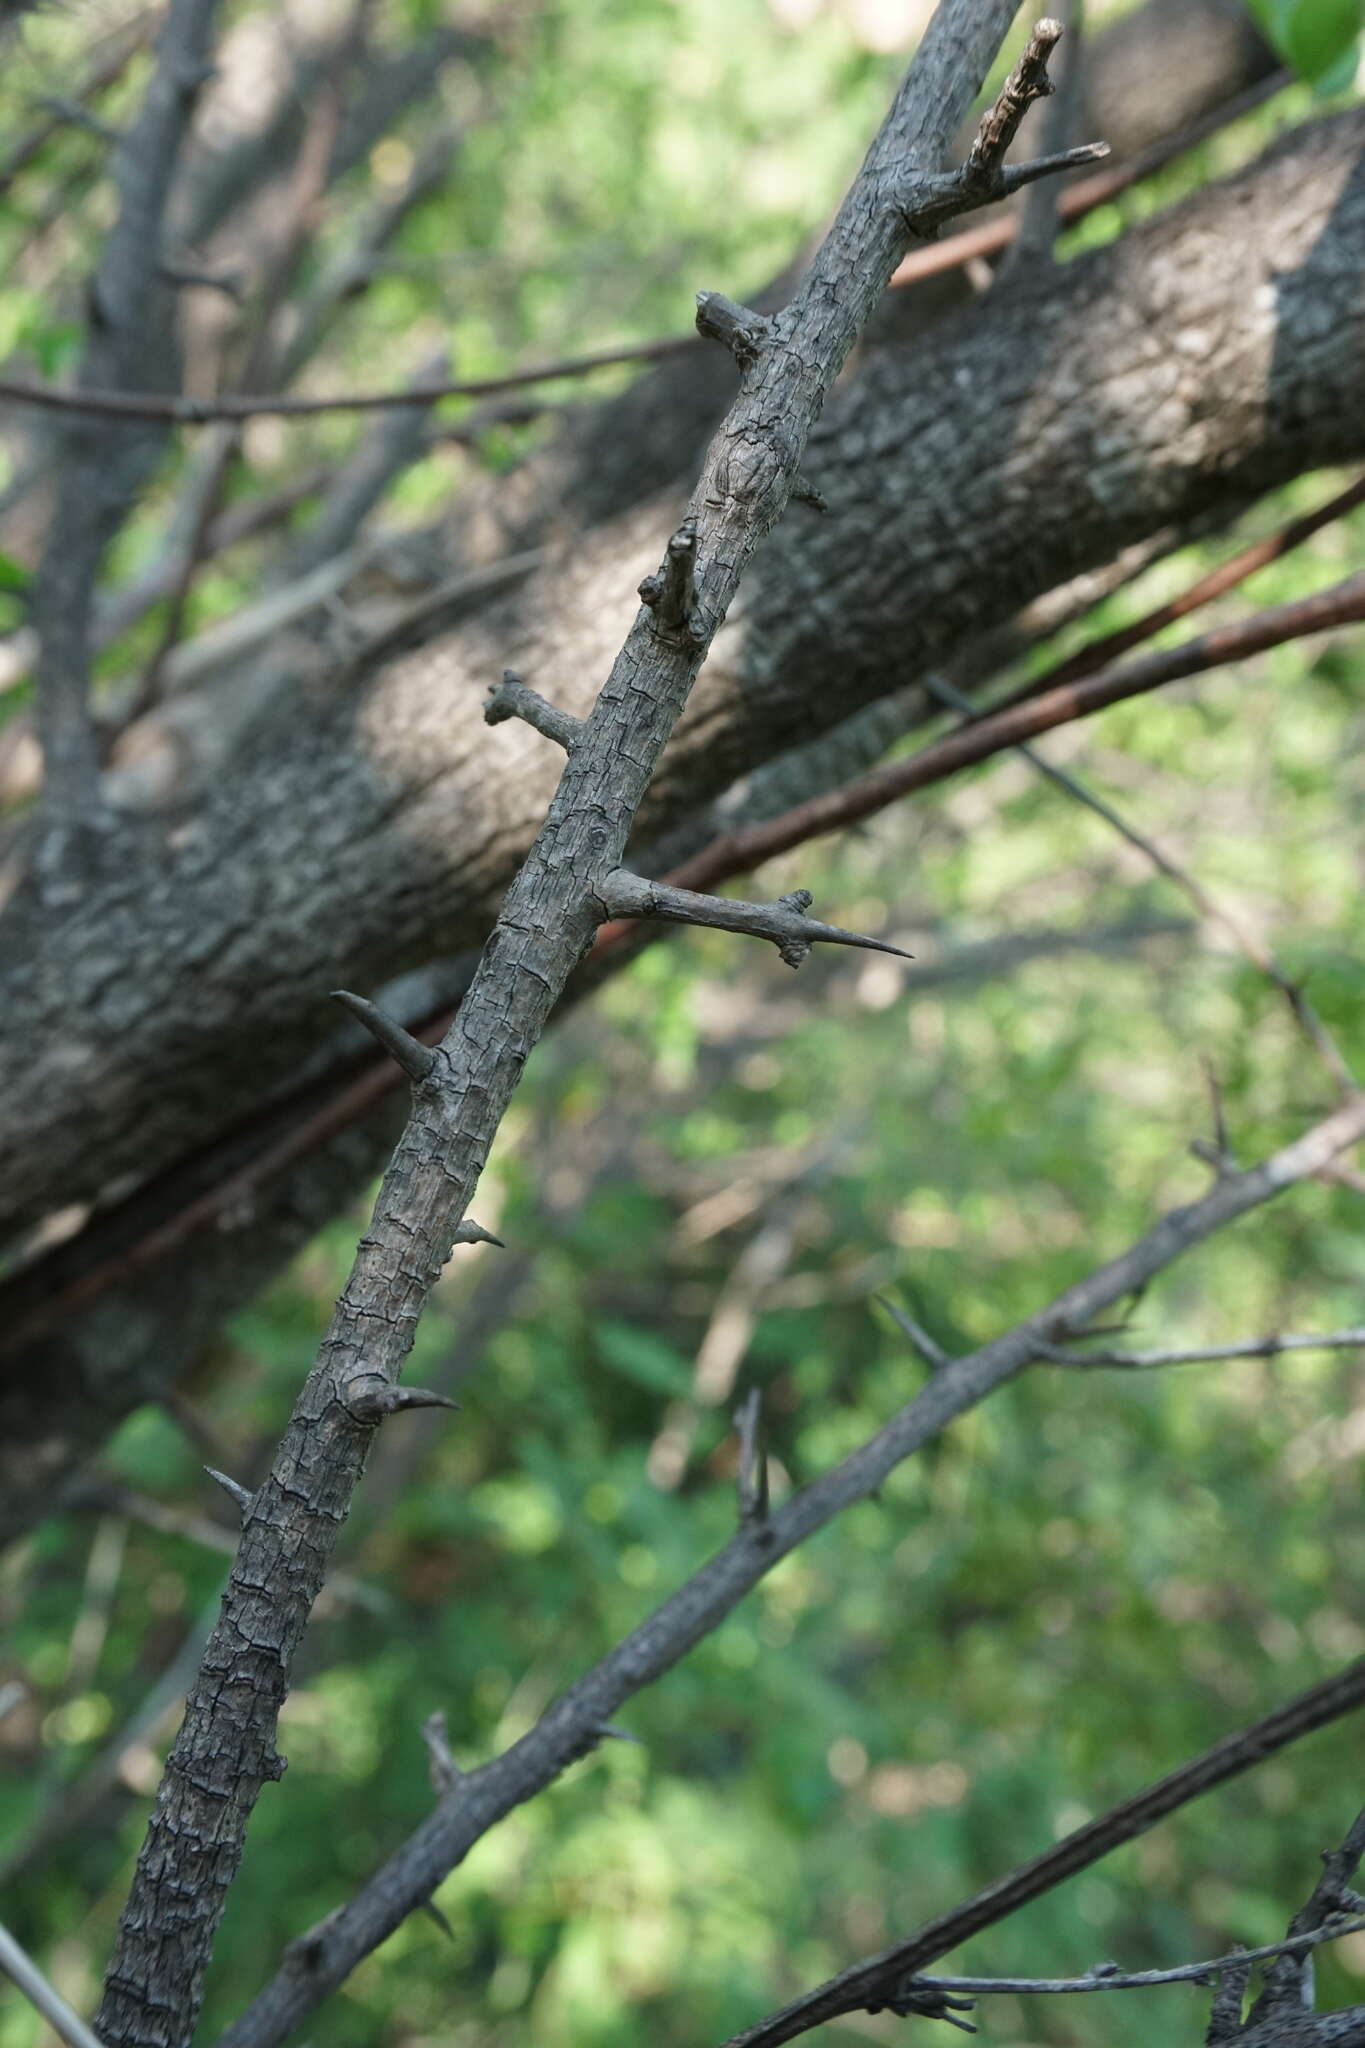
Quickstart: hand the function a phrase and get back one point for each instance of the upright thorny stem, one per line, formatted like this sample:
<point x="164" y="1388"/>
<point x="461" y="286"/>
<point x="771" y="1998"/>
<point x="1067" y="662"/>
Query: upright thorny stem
<point x="573" y="874"/>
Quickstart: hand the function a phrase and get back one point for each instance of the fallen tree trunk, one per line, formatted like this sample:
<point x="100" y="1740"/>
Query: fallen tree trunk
<point x="1207" y="356"/>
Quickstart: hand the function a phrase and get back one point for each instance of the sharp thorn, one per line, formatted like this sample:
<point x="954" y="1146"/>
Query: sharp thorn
<point x="416" y="1059"/>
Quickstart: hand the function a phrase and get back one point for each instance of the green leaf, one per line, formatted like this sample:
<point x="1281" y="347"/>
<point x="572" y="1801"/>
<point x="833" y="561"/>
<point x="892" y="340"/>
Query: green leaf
<point x="13" y="575"/>
<point x="1317" y="36"/>
<point x="1321" y="33"/>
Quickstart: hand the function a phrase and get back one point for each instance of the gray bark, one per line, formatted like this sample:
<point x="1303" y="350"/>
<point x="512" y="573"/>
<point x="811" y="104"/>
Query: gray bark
<point x="224" y="1751"/>
<point x="370" y="823"/>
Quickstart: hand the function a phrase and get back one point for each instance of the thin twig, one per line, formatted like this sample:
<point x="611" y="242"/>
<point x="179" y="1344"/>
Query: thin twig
<point x="42" y="1996"/>
<point x="1246" y="940"/>
<point x="1108" y="1978"/>
<point x="1270" y="1346"/>
<point x="736" y="852"/>
<point x="1097" y="654"/>
<point x="875" y="1983"/>
<point x="1074" y="203"/>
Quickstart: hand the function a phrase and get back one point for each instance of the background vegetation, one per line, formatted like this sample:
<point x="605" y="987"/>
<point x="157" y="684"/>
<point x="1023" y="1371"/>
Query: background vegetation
<point x="708" y="1178"/>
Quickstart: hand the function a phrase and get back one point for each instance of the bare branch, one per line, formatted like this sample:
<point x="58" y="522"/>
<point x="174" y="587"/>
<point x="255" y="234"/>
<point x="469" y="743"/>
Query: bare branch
<point x="874" y="1985"/>
<point x="704" y="1600"/>
<point x="1271" y="1346"/>
<point x="1251" y="947"/>
<point x="19" y="1966"/>
<point x="1289" y="1982"/>
<point x="130" y="344"/>
<point x="993" y="732"/>
<point x="1108" y="1977"/>
<point x="225" y="1750"/>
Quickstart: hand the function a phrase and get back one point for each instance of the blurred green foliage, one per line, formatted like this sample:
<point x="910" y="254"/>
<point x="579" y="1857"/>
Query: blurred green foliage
<point x="705" y="1182"/>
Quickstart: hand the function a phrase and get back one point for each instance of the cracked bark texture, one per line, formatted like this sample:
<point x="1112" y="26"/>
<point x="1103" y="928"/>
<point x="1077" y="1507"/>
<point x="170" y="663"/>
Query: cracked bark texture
<point x="224" y="1751"/>
<point x="1200" y="359"/>
<point x="367" y="825"/>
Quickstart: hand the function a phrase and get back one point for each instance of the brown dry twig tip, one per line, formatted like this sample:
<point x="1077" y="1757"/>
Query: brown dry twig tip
<point x="1026" y="83"/>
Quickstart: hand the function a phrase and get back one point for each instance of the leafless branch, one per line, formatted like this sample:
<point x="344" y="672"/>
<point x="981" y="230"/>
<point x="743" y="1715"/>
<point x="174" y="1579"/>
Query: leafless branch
<point x="878" y="1983"/>
<point x="569" y="1727"/>
<point x="1270" y="1346"/>
<point x="932" y="260"/>
<point x="19" y="1966"/>
<point x="1248" y="943"/>
<point x="1108" y="1977"/>
<point x="225" y="1750"/>
<point x="130" y="344"/>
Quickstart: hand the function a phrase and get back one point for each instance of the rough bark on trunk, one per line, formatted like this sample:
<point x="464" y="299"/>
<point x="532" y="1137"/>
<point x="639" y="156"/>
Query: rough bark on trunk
<point x="365" y="826"/>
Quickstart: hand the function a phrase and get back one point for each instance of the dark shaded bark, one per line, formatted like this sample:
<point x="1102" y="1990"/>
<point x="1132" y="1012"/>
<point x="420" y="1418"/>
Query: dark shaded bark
<point x="370" y="823"/>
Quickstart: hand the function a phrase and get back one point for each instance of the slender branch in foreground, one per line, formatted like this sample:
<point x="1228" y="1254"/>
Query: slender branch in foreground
<point x="1107" y="1977"/>
<point x="735" y="853"/>
<point x="225" y="1750"/>
<point x="24" y="1973"/>
<point x="888" y="1980"/>
<point x="931" y="260"/>
<point x="1270" y="1346"/>
<point x="320" y="1960"/>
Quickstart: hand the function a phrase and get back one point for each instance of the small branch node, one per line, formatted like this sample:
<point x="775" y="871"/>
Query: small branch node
<point x="273" y="1766"/>
<point x="737" y="328"/>
<point x="416" y="1059"/>
<point x="670" y="593"/>
<point x="239" y="1493"/>
<point x="470" y="1232"/>
<point x="445" y="1772"/>
<point x="609" y="1732"/>
<point x="751" y="1473"/>
<point x="306" y="1952"/>
<point x="513" y="697"/>
<point x="933" y="1353"/>
<point x="804" y="493"/>
<point x="370" y="1398"/>
<point x="914" y="1998"/>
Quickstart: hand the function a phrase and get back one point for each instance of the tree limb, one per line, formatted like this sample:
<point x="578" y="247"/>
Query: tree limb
<point x="225" y="1750"/>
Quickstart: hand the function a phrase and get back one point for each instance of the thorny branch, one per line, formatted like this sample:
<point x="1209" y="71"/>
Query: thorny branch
<point x="225" y="1750"/>
<point x="571" y="1725"/>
